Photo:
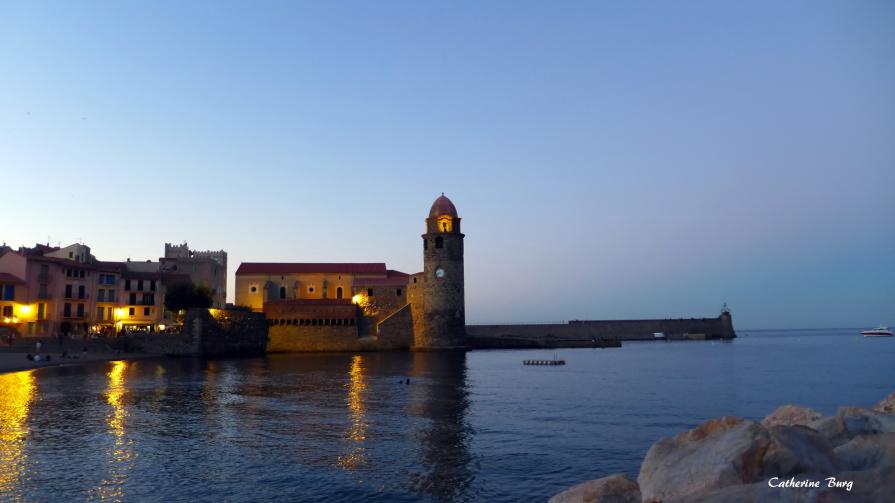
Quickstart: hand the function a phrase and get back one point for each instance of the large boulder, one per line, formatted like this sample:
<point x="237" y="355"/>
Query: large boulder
<point x="868" y="486"/>
<point x="760" y="492"/>
<point x="788" y="415"/>
<point x="797" y="449"/>
<point x="866" y="452"/>
<point x="860" y="421"/>
<point x="717" y="453"/>
<point x="832" y="428"/>
<point x="616" y="488"/>
<point x="887" y="405"/>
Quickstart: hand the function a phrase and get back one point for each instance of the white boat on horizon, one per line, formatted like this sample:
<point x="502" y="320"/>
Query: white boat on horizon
<point x="880" y="331"/>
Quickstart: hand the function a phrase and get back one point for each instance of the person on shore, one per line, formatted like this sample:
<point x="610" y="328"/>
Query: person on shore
<point x="12" y="337"/>
<point x="37" y="347"/>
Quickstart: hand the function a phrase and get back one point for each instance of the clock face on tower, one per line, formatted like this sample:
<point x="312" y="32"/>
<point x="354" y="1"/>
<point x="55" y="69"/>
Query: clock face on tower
<point x="439" y="273"/>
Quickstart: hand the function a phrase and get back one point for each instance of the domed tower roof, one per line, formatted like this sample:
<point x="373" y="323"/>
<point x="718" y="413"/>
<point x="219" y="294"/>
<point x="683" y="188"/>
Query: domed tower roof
<point x="443" y="206"/>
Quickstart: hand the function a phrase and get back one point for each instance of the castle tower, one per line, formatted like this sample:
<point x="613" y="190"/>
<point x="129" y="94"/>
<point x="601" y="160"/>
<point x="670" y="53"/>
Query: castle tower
<point x="440" y="316"/>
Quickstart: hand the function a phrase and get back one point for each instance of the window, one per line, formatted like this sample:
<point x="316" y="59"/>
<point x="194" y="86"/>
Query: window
<point x="100" y="313"/>
<point x="7" y="311"/>
<point x="339" y="292"/>
<point x="132" y="299"/>
<point x="398" y="292"/>
<point x="130" y="311"/>
<point x="101" y="295"/>
<point x="68" y="273"/>
<point x="147" y="311"/>
<point x="439" y="242"/>
<point x="41" y="311"/>
<point x="66" y="310"/>
<point x="152" y="285"/>
<point x="81" y="274"/>
<point x="82" y="293"/>
<point x="369" y="292"/>
<point x="148" y="299"/>
<point x="127" y="284"/>
<point x="9" y="292"/>
<point x="80" y="310"/>
<point x="70" y="255"/>
<point x="282" y="292"/>
<point x="253" y="289"/>
<point x="67" y="291"/>
<point x="311" y="289"/>
<point x="111" y="295"/>
<point x="42" y="291"/>
<point x="140" y="285"/>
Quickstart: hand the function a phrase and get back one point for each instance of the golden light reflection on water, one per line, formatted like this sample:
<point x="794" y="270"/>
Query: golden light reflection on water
<point x="16" y="394"/>
<point x="121" y="454"/>
<point x="357" y="434"/>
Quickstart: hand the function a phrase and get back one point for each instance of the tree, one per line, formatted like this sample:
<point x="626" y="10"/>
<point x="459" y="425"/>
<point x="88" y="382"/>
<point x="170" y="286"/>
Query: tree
<point x="186" y="295"/>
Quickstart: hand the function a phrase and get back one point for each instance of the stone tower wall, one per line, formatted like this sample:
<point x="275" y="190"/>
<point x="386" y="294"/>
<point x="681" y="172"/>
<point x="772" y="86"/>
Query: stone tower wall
<point x="442" y="321"/>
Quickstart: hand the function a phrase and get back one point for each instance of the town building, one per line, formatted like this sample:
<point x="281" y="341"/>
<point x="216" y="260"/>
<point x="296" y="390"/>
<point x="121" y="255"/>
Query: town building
<point x="49" y="290"/>
<point x="205" y="268"/>
<point x="365" y="306"/>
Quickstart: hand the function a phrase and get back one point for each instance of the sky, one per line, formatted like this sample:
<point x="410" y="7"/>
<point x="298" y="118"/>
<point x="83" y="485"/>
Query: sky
<point x="610" y="160"/>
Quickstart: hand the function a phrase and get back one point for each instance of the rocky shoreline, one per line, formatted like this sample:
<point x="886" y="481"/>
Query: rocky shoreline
<point x="795" y="454"/>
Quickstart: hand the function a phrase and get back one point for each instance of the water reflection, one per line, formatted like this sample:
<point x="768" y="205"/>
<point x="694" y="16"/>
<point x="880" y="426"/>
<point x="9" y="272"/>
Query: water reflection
<point x="357" y="433"/>
<point x="121" y="454"/>
<point x="16" y="394"/>
<point x="440" y="395"/>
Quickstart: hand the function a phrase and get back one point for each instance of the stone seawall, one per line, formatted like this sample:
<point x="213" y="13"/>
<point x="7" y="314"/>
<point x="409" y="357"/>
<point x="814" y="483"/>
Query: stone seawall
<point x="573" y="333"/>
<point x="391" y="334"/>
<point x="205" y="332"/>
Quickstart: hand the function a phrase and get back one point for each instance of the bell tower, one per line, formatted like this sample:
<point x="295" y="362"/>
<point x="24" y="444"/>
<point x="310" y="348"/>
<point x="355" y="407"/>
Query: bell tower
<point x="441" y="324"/>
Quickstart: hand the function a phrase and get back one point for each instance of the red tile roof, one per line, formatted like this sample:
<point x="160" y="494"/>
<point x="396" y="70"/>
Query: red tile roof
<point x="310" y="268"/>
<point x="5" y="277"/>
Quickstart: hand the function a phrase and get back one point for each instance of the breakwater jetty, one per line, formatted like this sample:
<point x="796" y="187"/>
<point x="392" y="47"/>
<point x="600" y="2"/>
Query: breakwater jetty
<point x="598" y="333"/>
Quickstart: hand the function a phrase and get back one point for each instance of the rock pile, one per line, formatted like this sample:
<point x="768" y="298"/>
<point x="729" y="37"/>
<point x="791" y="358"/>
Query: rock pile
<point x="794" y="455"/>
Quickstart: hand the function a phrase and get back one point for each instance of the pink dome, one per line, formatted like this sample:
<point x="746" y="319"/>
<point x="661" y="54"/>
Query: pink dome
<point x="443" y="206"/>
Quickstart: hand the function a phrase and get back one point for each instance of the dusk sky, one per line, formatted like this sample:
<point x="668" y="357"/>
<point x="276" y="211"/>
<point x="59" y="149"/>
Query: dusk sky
<point x="609" y="159"/>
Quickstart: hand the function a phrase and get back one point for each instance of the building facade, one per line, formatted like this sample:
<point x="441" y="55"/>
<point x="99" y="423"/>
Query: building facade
<point x="205" y="268"/>
<point x="55" y="290"/>
<point x="365" y="306"/>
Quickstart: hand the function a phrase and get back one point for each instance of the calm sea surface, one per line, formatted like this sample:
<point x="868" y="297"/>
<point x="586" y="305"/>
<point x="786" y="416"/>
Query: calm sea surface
<point x="474" y="427"/>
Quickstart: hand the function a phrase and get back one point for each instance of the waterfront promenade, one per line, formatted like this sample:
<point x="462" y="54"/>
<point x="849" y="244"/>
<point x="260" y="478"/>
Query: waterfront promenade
<point x="13" y="362"/>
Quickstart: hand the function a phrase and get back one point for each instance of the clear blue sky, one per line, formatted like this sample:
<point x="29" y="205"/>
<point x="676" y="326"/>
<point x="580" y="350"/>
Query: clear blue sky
<point x="610" y="159"/>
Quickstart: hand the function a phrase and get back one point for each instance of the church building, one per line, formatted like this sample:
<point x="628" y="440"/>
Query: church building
<point x="365" y="306"/>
